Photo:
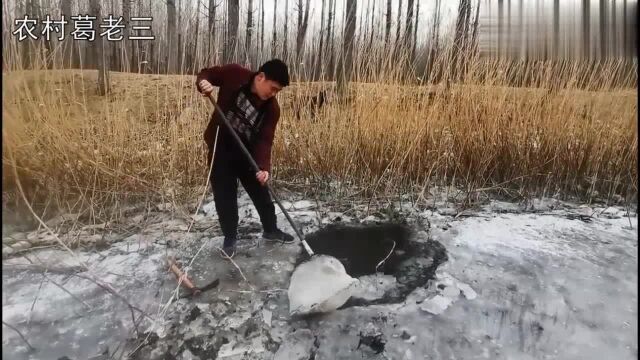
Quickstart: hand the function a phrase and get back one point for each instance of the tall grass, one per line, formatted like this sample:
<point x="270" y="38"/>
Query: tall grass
<point x="515" y="127"/>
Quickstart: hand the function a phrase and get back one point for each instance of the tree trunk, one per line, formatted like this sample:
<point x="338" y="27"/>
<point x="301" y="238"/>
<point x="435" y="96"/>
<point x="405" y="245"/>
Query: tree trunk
<point x="633" y="35"/>
<point x="233" y="19"/>
<point x="467" y="25"/>
<point x="262" y="27"/>
<point x="346" y="60"/>
<point x="172" y="57"/>
<point x="23" y="46"/>
<point x="614" y="27"/>
<point x="509" y="44"/>
<point x="274" y="41"/>
<point x="603" y="29"/>
<point x="474" y="36"/>
<point x="303" y="23"/>
<point x="181" y="52"/>
<point x="500" y="27"/>
<point x="433" y="44"/>
<point x="320" y="57"/>
<point x="373" y="26"/>
<point x="586" y="28"/>
<point x="556" y="28"/>
<point x="364" y="20"/>
<point x="408" y="31"/>
<point x="328" y="42"/>
<point x="387" y="26"/>
<point x="398" y="23"/>
<point x="134" y="60"/>
<point x="248" y="33"/>
<point x="98" y="53"/>
<point x="285" y="50"/>
<point x="194" y="65"/>
<point x="126" y="56"/>
<point x="625" y="43"/>
<point x="48" y="53"/>
<point x="69" y="53"/>
<point x="211" y="44"/>
<point x="332" y="28"/>
<point x="415" y="31"/>
<point x="458" y="42"/>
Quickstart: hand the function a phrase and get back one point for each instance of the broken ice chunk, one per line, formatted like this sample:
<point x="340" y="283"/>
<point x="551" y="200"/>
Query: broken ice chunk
<point x="436" y="305"/>
<point x="467" y="291"/>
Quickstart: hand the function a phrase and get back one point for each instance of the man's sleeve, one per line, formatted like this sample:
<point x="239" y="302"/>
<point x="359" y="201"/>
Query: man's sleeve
<point x="215" y="75"/>
<point x="262" y="152"/>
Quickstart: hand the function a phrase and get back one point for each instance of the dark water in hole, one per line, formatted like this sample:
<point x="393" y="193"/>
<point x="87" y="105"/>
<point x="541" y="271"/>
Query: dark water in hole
<point x="361" y="247"/>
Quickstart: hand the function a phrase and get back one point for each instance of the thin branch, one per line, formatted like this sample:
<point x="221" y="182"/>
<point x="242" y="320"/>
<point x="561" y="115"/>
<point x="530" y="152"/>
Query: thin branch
<point x="35" y="299"/>
<point x="19" y="333"/>
<point x="237" y="267"/>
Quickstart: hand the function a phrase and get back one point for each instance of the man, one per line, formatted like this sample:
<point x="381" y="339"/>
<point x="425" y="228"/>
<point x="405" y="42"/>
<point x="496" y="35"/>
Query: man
<point x="248" y="100"/>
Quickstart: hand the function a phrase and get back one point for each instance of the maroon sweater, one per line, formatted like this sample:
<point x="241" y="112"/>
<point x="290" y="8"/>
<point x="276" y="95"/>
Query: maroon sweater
<point x="229" y="78"/>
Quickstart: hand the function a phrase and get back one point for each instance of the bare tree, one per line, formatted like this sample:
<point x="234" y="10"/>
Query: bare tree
<point x="320" y="55"/>
<point x="211" y="42"/>
<point x="194" y="53"/>
<point x="474" y="36"/>
<point x="285" y="50"/>
<point x="303" y="23"/>
<point x="433" y="45"/>
<point x="467" y="25"/>
<point x="415" y="30"/>
<point x="556" y="28"/>
<point x="248" y="32"/>
<point x="233" y="19"/>
<point x="180" y="47"/>
<point x="373" y="25"/>
<point x="614" y="25"/>
<point x="172" y="60"/>
<point x="586" y="27"/>
<point x="500" y="26"/>
<point x="97" y="50"/>
<point x="408" y="31"/>
<point x="47" y="54"/>
<point x="127" y="58"/>
<point x="22" y="8"/>
<point x="387" y="27"/>
<point x="115" y="62"/>
<point x="625" y="43"/>
<point x="398" y="22"/>
<point x="69" y="56"/>
<point x="331" y="34"/>
<point x="460" y="36"/>
<point x="346" y="60"/>
<point x="274" y="40"/>
<point x="603" y="29"/>
<point x="509" y="44"/>
<point x="262" y="27"/>
<point x="364" y="19"/>
<point x="523" y="33"/>
<point x="633" y="35"/>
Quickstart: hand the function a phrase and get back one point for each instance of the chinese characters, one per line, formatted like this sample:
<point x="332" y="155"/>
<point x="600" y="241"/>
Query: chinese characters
<point x="83" y="28"/>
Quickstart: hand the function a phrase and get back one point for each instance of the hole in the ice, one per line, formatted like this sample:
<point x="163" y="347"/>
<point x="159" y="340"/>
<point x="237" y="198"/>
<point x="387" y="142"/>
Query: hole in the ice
<point x="362" y="248"/>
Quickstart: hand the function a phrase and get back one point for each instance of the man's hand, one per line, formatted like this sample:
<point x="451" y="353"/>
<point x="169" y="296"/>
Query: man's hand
<point x="205" y="87"/>
<point x="262" y="177"/>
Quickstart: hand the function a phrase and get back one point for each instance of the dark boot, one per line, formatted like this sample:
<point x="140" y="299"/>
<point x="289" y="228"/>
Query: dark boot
<point x="228" y="248"/>
<point x="278" y="235"/>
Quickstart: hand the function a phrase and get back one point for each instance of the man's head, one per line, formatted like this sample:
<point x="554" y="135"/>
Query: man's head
<point x="271" y="78"/>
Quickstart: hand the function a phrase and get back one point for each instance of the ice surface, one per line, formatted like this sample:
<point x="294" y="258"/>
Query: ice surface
<point x="517" y="285"/>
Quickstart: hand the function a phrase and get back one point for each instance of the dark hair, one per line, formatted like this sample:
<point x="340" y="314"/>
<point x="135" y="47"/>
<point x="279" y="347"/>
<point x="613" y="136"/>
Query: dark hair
<point x="277" y="71"/>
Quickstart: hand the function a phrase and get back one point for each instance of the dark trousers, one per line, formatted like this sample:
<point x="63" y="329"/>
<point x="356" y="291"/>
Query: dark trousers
<point x="229" y="166"/>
